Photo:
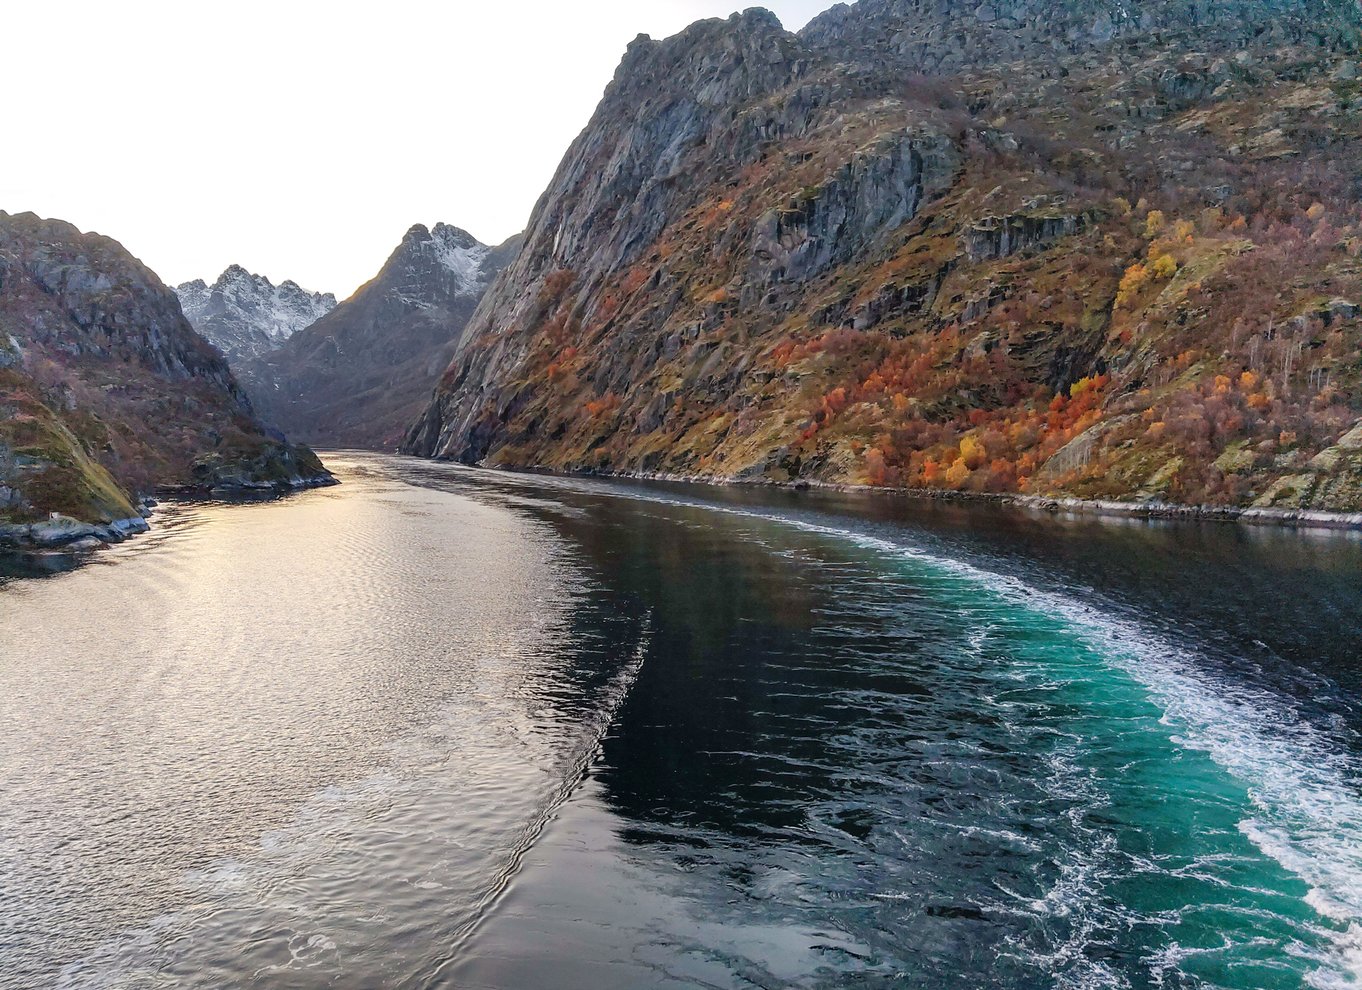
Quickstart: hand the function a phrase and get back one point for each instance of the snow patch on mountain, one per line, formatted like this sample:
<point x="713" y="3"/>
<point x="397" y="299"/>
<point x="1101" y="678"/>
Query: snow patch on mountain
<point x="455" y="251"/>
<point x="466" y="264"/>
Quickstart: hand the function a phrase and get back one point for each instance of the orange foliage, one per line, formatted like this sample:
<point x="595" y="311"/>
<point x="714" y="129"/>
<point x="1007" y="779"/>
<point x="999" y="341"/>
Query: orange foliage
<point x="557" y="284"/>
<point x="875" y="468"/>
<point x="606" y="403"/>
<point x="791" y="351"/>
<point x="635" y="280"/>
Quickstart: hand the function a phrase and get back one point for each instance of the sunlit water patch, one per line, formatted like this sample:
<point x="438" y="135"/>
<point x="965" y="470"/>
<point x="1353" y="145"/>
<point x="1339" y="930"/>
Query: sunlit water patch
<point x="445" y="728"/>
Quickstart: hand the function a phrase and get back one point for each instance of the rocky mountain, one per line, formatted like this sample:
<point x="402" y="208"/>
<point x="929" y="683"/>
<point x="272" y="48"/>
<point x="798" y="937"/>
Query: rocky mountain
<point x="107" y="393"/>
<point x="360" y="375"/>
<point x="1095" y="248"/>
<point x="245" y="315"/>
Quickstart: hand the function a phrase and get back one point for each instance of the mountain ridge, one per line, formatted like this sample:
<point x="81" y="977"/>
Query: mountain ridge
<point x="358" y="375"/>
<point x="245" y="315"/>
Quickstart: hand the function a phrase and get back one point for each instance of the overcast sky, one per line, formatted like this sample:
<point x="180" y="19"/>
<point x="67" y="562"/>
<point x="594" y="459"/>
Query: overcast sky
<point x="302" y="139"/>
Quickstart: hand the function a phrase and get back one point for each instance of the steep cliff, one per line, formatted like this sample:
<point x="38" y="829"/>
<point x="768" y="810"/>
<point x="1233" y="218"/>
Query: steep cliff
<point x="107" y="393"/>
<point x="245" y="315"/>
<point x="360" y="374"/>
<point x="942" y="37"/>
<point x="1073" y="248"/>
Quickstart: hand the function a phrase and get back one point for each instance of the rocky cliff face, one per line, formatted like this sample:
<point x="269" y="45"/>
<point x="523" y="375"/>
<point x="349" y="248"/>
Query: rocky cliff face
<point x="107" y="393"/>
<point x="943" y="37"/>
<point x="1076" y="248"/>
<point x="360" y="375"/>
<point x="245" y="315"/>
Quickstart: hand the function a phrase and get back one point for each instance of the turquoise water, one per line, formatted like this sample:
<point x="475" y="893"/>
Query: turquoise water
<point x="445" y="728"/>
<point x="1184" y="808"/>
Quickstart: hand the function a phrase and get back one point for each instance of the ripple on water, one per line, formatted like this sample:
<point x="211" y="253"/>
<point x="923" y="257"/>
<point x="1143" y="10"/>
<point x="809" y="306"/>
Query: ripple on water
<point x="522" y="733"/>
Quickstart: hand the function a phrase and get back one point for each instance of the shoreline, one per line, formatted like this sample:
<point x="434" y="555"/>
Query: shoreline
<point x="64" y="537"/>
<point x="1298" y="519"/>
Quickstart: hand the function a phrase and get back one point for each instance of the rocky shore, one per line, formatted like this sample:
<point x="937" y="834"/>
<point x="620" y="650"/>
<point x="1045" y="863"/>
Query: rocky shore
<point x="63" y="535"/>
<point x="1024" y="248"/>
<point x="107" y="395"/>
<point x="1153" y="510"/>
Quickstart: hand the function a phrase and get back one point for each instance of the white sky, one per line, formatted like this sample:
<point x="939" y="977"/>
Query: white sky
<point x="298" y="138"/>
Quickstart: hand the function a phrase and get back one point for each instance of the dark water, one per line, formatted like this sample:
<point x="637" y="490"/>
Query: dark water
<point x="441" y="728"/>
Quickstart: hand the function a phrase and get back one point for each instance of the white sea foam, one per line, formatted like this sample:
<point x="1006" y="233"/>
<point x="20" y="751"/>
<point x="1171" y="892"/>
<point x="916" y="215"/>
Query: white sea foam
<point x="1311" y="812"/>
<point x="1301" y="784"/>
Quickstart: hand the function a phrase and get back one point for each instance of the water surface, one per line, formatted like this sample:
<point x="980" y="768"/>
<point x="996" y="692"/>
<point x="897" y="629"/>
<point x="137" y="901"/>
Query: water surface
<point x="445" y="728"/>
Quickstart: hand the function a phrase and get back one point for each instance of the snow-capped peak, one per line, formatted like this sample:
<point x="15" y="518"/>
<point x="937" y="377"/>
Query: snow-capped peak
<point x="245" y="314"/>
<point x="451" y="250"/>
<point x="466" y="265"/>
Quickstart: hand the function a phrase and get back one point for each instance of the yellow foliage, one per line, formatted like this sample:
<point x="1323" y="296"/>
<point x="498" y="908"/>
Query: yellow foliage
<point x="1165" y="266"/>
<point x="1183" y="231"/>
<point x="972" y="453"/>
<point x="1086" y="384"/>
<point x="1315" y="212"/>
<point x="1135" y="279"/>
<point x="1154" y="223"/>
<point x="958" y="474"/>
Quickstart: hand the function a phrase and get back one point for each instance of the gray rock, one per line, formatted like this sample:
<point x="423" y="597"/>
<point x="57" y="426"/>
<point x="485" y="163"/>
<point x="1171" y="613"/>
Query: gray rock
<point x="941" y="36"/>
<point x="623" y="180"/>
<point x="59" y="530"/>
<point x="10" y="354"/>
<point x="122" y="529"/>
<point x="998" y="237"/>
<point x="1343" y="309"/>
<point x="873" y="195"/>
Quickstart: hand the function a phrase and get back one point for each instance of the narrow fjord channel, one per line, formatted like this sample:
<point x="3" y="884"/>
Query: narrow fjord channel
<point x="447" y="728"/>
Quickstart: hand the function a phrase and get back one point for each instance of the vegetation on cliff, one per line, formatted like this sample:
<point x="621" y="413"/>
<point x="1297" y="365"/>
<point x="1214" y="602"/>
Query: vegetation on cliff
<point x="106" y="392"/>
<point x="1105" y="251"/>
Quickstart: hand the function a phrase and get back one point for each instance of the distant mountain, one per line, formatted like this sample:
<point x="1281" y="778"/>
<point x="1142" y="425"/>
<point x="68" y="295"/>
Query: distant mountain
<point x="244" y="315"/>
<point x="360" y="374"/>
<point x="107" y="393"/>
